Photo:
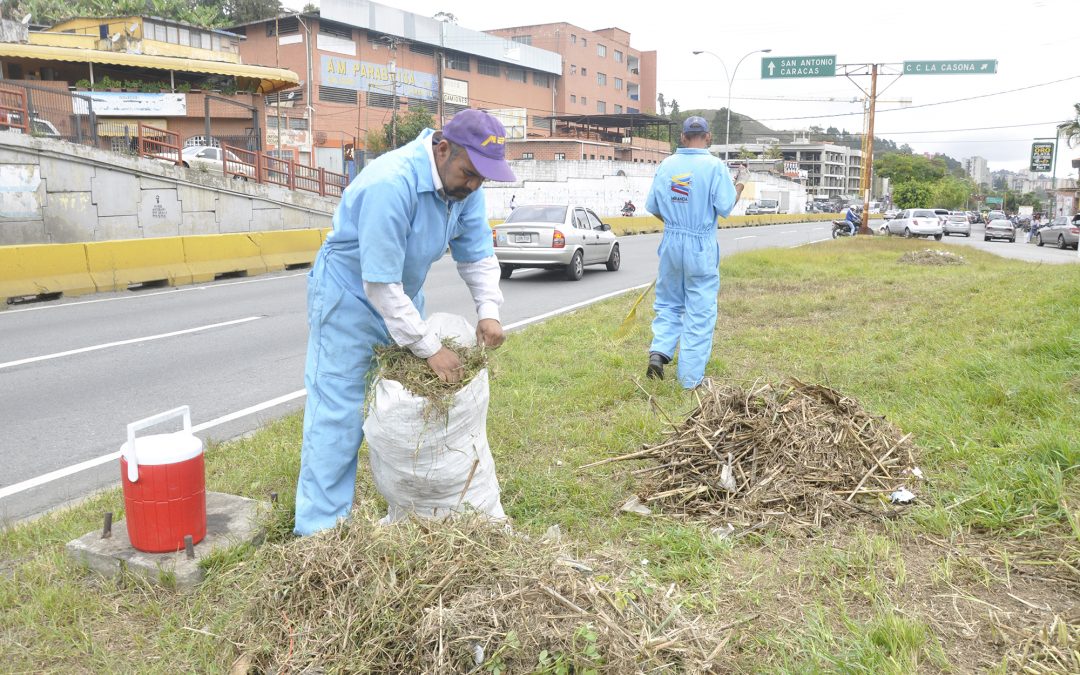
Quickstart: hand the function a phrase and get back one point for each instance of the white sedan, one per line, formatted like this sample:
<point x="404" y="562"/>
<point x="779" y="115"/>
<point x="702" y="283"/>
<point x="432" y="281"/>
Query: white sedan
<point x="915" y="223"/>
<point x="555" y="237"/>
<point x="207" y="158"/>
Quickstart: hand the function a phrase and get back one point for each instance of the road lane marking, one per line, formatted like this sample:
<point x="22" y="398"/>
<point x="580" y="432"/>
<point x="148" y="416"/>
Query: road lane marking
<point x="184" y="289"/>
<point x="570" y="308"/>
<point x="789" y="232"/>
<point x="752" y="236"/>
<point x="816" y="241"/>
<point x="107" y="345"/>
<point x="112" y="456"/>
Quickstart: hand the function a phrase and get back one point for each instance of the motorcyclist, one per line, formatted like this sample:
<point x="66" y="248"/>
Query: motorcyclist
<point x="852" y="219"/>
<point x="628" y="208"/>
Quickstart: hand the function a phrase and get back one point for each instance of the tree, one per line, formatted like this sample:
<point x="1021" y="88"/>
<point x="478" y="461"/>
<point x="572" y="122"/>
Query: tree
<point x="774" y="152"/>
<point x="912" y="195"/>
<point x="243" y="11"/>
<point x="744" y="153"/>
<point x="901" y="168"/>
<point x="409" y="126"/>
<point x="951" y="193"/>
<point x="1071" y="130"/>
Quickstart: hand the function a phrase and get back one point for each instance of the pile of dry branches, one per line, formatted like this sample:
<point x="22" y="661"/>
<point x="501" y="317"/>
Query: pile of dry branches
<point x="455" y="597"/>
<point x="931" y="256"/>
<point x="794" y="452"/>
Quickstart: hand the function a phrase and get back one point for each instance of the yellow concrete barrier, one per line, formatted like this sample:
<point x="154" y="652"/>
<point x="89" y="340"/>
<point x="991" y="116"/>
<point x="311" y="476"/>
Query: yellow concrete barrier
<point x="115" y="265"/>
<point x="37" y="269"/>
<point x="280" y="249"/>
<point x="212" y="254"/>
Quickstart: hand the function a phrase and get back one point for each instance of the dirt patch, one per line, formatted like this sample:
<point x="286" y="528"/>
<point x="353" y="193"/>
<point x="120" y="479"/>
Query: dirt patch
<point x="456" y="597"/>
<point x="930" y="256"/>
<point x="788" y="454"/>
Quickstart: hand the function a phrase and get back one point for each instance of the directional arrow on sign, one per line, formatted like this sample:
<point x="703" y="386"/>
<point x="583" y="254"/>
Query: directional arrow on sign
<point x="772" y="67"/>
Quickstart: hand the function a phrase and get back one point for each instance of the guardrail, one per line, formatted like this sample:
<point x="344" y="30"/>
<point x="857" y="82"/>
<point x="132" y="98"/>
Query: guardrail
<point x="13" y="112"/>
<point x="151" y="145"/>
<point x="264" y="168"/>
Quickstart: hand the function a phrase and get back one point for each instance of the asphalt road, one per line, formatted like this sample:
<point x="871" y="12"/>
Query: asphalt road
<point x="74" y="373"/>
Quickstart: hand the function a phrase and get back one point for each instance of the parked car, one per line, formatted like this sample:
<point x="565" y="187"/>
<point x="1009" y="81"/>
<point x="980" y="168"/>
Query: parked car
<point x="38" y="126"/>
<point x="554" y="237"/>
<point x="891" y="213"/>
<point x="999" y="228"/>
<point x="752" y="209"/>
<point x="942" y="214"/>
<point x="207" y="158"/>
<point x="957" y="223"/>
<point x="1063" y="231"/>
<point x="915" y="223"/>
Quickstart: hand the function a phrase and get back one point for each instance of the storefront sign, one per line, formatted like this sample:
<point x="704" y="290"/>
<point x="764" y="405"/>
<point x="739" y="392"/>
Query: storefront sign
<point x="455" y="91"/>
<point x="377" y="77"/>
<point x="113" y="103"/>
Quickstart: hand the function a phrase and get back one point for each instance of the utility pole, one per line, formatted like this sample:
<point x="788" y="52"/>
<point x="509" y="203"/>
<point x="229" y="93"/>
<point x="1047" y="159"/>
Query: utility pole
<point x="868" y="159"/>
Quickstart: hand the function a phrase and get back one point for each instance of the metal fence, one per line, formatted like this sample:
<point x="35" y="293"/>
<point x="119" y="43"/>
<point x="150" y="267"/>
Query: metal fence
<point x="51" y="113"/>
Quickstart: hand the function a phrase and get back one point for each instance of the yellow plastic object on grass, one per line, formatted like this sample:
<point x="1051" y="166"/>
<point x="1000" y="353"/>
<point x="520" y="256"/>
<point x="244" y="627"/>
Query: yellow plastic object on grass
<point x="624" y="327"/>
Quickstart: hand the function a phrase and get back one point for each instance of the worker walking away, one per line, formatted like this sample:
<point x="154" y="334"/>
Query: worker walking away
<point x="365" y="289"/>
<point x="690" y="190"/>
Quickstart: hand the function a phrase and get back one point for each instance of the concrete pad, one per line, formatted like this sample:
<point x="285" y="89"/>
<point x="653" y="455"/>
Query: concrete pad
<point x="230" y="521"/>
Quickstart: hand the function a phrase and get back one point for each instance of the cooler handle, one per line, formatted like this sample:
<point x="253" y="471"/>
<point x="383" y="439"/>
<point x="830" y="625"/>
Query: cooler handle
<point x="130" y="454"/>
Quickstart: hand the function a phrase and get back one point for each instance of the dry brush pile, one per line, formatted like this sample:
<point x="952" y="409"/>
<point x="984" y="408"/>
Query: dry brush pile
<point x="455" y="597"/>
<point x="787" y="454"/>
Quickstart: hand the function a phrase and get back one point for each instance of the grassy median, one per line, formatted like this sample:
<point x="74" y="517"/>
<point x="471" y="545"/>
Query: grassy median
<point x="979" y="362"/>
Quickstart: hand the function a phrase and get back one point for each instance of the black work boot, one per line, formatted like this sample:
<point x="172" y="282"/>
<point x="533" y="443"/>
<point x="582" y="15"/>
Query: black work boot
<point x="656" y="366"/>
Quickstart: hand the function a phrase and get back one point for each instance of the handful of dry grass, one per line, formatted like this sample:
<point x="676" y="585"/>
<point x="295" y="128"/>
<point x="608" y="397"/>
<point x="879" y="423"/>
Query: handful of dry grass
<point x="457" y="596"/>
<point x="398" y="363"/>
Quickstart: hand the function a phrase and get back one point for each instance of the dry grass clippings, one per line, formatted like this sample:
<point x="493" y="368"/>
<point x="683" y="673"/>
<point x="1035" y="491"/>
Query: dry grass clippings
<point x="449" y="596"/>
<point x="930" y="256"/>
<point x="398" y="363"/>
<point x="789" y="453"/>
<point x="1054" y="648"/>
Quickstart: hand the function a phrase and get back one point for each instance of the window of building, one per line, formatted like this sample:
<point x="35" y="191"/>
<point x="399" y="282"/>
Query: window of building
<point x="618" y="109"/>
<point x="337" y="95"/>
<point x="523" y="39"/>
<point x="542" y="80"/>
<point x="573" y="69"/>
<point x="592" y="156"/>
<point x="173" y="35"/>
<point x="376" y="99"/>
<point x="560" y="155"/>
<point x="426" y="50"/>
<point x="298" y="123"/>
<point x="601" y="51"/>
<point x="485" y="67"/>
<point x="285" y="26"/>
<point x="573" y="98"/>
<point x="584" y="70"/>
<point x="573" y="39"/>
<point x="584" y="42"/>
<point x="618" y="56"/>
<point x="515" y="74"/>
<point x="457" y="61"/>
<point x="601" y="79"/>
<point x="526" y="155"/>
<point x="584" y="100"/>
<point x="185" y="36"/>
<point x="335" y="29"/>
<point x="601" y="107"/>
<point x="618" y="84"/>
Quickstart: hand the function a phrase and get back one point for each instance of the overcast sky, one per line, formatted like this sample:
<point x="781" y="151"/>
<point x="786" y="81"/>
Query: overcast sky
<point x="1034" y="41"/>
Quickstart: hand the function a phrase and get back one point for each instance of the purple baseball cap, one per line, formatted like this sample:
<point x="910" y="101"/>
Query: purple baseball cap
<point x="484" y="138"/>
<point x="695" y="125"/>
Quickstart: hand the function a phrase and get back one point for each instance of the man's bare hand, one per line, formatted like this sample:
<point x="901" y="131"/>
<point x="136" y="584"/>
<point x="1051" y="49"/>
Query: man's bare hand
<point x="446" y="365"/>
<point x="489" y="333"/>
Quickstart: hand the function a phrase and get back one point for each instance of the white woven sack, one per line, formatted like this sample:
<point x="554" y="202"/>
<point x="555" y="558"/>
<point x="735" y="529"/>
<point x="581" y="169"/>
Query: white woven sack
<point x="425" y="463"/>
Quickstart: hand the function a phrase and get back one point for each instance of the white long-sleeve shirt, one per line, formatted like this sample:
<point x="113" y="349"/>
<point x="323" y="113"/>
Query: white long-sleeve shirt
<point x="403" y="321"/>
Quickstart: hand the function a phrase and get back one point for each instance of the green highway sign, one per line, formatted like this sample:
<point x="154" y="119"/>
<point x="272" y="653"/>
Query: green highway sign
<point x="950" y="67"/>
<point x="993" y="200"/>
<point x="775" y="67"/>
<point x="1042" y="157"/>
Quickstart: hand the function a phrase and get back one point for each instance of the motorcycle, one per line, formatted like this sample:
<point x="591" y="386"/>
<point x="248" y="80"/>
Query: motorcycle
<point x="841" y="228"/>
<point x="628" y="210"/>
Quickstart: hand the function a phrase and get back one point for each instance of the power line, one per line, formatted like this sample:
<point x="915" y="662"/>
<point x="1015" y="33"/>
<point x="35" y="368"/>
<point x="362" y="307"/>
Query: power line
<point x="926" y="105"/>
<point x="947" y="131"/>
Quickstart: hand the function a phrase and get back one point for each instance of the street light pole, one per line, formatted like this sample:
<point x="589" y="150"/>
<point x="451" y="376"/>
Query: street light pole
<point x="730" y="81"/>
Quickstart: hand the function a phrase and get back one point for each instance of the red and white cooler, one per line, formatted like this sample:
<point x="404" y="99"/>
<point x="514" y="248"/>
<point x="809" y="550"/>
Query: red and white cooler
<point x="164" y="485"/>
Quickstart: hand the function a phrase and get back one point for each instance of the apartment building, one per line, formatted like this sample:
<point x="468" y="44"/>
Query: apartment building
<point x="832" y="170"/>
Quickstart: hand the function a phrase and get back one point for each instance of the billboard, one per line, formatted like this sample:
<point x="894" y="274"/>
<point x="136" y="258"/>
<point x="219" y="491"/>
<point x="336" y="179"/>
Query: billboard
<point x="1042" y="157"/>
<point x="378" y="77"/>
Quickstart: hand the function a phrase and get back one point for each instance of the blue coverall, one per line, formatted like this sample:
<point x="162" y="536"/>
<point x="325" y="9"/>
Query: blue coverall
<point x="854" y="221"/>
<point x="390" y="227"/>
<point x="691" y="188"/>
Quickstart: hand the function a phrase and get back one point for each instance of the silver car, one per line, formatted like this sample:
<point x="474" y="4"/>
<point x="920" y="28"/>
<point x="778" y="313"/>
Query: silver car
<point x="554" y="237"/>
<point x="956" y="223"/>
<point x="1000" y="228"/>
<point x="1062" y="231"/>
<point x="915" y="223"/>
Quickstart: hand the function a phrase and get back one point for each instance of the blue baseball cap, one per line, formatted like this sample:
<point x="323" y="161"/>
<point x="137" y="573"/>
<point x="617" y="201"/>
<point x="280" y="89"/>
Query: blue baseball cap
<point x="484" y="139"/>
<point x="695" y="125"/>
